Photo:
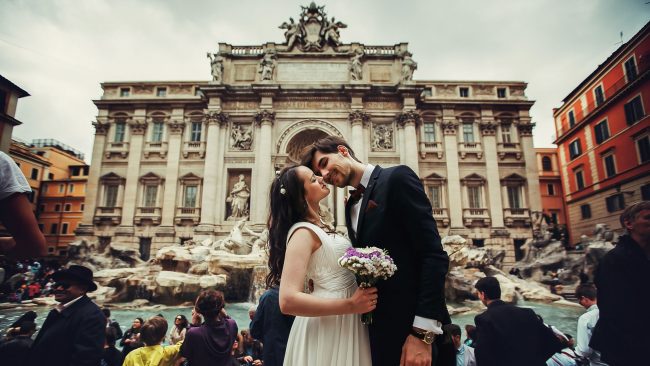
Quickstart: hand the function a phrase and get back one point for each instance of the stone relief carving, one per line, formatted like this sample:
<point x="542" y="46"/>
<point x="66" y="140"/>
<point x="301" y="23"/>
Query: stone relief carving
<point x="313" y="31"/>
<point x="216" y="64"/>
<point x="241" y="138"/>
<point x="238" y="199"/>
<point x="408" y="67"/>
<point x="382" y="137"/>
<point x="267" y="65"/>
<point x="446" y="90"/>
<point x="516" y="91"/>
<point x="483" y="89"/>
<point x="356" y="66"/>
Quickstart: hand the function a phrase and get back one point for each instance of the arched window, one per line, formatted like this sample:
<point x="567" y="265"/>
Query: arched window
<point x="547" y="166"/>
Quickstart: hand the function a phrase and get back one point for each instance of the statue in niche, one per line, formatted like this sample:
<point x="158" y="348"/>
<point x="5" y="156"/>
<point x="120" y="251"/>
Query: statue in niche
<point x="294" y="32"/>
<point x="267" y="65"/>
<point x="383" y="137"/>
<point x="408" y="67"/>
<point x="238" y="199"/>
<point x="242" y="138"/>
<point x="356" y="66"/>
<point x="216" y="63"/>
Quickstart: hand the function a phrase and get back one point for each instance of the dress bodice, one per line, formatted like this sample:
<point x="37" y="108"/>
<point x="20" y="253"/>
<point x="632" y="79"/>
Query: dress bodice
<point x="330" y="279"/>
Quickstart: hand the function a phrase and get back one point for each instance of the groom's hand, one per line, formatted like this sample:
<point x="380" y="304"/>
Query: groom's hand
<point x="415" y="352"/>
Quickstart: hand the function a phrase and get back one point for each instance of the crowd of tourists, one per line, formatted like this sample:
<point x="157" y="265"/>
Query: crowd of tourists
<point x="26" y="279"/>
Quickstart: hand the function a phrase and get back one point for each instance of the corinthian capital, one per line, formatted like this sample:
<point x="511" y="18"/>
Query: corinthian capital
<point x="408" y="117"/>
<point x="138" y="126"/>
<point x="216" y="117"/>
<point x="488" y="128"/>
<point x="176" y="126"/>
<point x="359" y="117"/>
<point x="101" y="128"/>
<point x="526" y="129"/>
<point x="264" y="116"/>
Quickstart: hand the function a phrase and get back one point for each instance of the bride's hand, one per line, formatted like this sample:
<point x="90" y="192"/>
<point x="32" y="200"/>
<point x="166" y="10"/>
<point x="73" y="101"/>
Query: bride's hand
<point x="363" y="300"/>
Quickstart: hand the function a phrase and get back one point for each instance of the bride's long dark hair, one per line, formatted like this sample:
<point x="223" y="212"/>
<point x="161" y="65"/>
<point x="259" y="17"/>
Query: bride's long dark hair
<point x="288" y="206"/>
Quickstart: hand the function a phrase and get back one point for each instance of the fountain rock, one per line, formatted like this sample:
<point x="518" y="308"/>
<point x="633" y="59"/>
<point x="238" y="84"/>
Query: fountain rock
<point x="172" y="287"/>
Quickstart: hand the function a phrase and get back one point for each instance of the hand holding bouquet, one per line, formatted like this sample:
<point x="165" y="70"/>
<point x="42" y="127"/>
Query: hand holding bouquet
<point x="369" y="265"/>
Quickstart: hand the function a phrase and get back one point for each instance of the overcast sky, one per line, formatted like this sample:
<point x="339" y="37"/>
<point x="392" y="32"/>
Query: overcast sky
<point x="60" y="51"/>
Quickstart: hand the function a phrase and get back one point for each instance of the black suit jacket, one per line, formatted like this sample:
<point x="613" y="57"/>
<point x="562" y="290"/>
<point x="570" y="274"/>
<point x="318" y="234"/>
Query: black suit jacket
<point x="507" y="335"/>
<point x="73" y="337"/>
<point x="395" y="214"/>
<point x="623" y="282"/>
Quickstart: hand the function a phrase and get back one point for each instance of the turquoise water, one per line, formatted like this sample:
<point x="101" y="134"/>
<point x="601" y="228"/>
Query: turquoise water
<point x="563" y="317"/>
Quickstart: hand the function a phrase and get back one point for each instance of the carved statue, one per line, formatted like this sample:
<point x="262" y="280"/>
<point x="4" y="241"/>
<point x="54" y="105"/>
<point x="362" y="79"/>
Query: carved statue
<point x="267" y="65"/>
<point x="330" y="31"/>
<point x="258" y="241"/>
<point x="234" y="241"/>
<point x="326" y="215"/>
<point x="241" y="138"/>
<point x="603" y="233"/>
<point x="356" y="66"/>
<point x="238" y="200"/>
<point x="216" y="63"/>
<point x="383" y="137"/>
<point x="408" y="67"/>
<point x="294" y="32"/>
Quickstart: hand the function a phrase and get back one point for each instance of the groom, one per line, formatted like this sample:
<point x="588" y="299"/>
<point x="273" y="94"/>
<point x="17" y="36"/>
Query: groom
<point x="389" y="209"/>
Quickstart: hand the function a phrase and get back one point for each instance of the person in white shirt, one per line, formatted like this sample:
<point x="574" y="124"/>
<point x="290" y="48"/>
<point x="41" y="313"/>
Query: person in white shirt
<point x="587" y="297"/>
<point x="17" y="215"/>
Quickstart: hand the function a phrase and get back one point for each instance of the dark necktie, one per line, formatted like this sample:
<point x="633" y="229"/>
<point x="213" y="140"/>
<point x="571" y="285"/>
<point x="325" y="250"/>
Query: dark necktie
<point x="355" y="195"/>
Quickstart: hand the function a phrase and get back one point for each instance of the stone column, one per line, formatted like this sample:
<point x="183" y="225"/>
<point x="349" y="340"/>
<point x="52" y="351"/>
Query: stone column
<point x="340" y="208"/>
<point x="92" y="185"/>
<point x="175" y="128"/>
<point x="212" y="170"/>
<point x="488" y="130"/>
<point x="263" y="166"/>
<point x="358" y="119"/>
<point x="138" y="128"/>
<point x="449" y="127"/>
<point x="532" y="177"/>
<point x="409" y="119"/>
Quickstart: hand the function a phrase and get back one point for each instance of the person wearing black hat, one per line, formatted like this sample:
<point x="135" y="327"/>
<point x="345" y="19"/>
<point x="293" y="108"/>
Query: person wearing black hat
<point x="74" y="331"/>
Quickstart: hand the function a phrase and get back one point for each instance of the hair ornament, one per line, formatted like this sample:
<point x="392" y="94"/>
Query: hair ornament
<point x="283" y="191"/>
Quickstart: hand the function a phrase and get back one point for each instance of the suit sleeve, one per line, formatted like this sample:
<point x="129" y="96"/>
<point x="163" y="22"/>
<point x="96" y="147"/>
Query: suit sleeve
<point x="89" y="341"/>
<point x="485" y="348"/>
<point x="257" y="325"/>
<point x="415" y="212"/>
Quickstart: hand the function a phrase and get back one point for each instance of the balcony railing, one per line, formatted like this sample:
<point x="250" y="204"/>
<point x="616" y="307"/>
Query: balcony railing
<point x="113" y="214"/>
<point x="432" y="147"/>
<point x="194" y="147"/>
<point x="148" y="213"/>
<point x="440" y="215"/>
<point x="465" y="148"/>
<point x="159" y="147"/>
<point x="188" y="213"/>
<point x="476" y="217"/>
<point x="507" y="148"/>
<point x="516" y="215"/>
<point x="121" y="148"/>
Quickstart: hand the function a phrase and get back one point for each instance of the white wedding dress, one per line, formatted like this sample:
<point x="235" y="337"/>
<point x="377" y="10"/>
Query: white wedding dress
<point x="328" y="340"/>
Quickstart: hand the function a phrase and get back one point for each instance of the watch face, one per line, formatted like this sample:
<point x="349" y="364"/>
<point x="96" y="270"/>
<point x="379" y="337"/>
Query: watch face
<point x="428" y="338"/>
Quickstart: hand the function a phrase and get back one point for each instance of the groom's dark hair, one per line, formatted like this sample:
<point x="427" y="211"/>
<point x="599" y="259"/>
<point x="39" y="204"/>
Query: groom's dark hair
<point x="326" y="145"/>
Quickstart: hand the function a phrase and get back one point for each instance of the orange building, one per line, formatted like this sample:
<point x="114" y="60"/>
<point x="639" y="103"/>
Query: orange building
<point x="9" y="95"/>
<point x="550" y="185"/>
<point x="33" y="166"/>
<point x="61" y="207"/>
<point x="603" y="139"/>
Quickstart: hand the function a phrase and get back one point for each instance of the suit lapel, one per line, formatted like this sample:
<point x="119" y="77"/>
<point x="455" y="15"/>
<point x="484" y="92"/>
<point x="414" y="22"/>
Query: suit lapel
<point x="366" y="197"/>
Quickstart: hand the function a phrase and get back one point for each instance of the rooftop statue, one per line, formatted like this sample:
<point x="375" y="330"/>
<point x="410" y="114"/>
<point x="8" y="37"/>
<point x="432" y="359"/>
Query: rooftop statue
<point x="313" y="31"/>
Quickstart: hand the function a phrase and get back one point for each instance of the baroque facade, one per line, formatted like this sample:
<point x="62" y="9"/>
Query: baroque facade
<point x="178" y="160"/>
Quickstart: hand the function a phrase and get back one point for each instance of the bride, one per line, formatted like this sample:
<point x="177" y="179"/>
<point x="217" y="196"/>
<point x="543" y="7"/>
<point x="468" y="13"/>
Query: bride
<point x="327" y="329"/>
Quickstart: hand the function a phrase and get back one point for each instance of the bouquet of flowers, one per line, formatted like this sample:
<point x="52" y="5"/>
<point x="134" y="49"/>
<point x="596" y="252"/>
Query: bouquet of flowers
<point x="369" y="265"/>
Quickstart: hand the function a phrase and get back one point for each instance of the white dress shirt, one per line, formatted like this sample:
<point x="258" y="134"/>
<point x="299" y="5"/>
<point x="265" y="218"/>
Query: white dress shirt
<point x="586" y="324"/>
<point x="419" y="322"/>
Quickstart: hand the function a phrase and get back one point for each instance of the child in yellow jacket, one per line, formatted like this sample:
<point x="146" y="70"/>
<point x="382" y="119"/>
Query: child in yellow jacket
<point x="153" y="354"/>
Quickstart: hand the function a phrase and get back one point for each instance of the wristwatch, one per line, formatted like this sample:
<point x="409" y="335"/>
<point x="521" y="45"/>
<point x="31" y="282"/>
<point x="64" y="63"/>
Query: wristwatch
<point x="426" y="336"/>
